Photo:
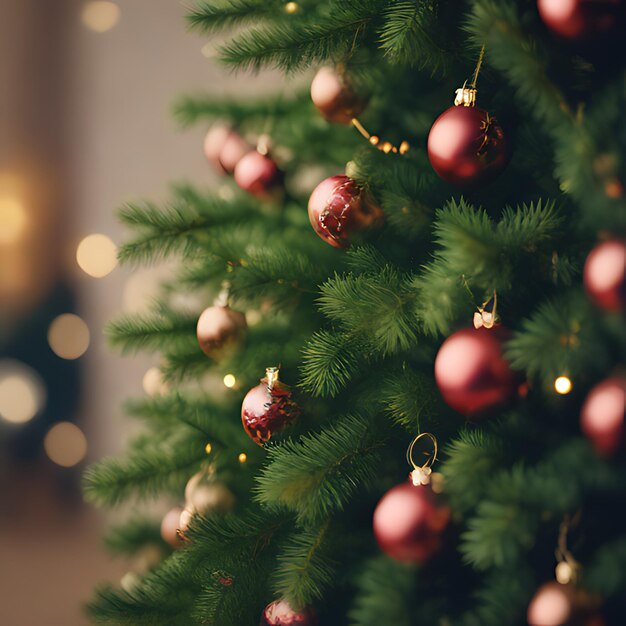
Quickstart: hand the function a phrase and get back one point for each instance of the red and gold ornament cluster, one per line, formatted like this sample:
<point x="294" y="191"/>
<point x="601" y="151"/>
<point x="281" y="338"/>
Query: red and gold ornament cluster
<point x="254" y="170"/>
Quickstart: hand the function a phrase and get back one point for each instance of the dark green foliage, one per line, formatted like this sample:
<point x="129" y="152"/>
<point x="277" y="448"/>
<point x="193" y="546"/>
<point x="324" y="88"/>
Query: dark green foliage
<point x="358" y="330"/>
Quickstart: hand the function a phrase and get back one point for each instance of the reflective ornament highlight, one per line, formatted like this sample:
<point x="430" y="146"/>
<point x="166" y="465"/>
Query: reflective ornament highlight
<point x="581" y="19"/>
<point x="334" y="98"/>
<point x="218" y="328"/>
<point x="604" y="275"/>
<point x="258" y="174"/>
<point x="280" y="613"/>
<point x="602" y="416"/>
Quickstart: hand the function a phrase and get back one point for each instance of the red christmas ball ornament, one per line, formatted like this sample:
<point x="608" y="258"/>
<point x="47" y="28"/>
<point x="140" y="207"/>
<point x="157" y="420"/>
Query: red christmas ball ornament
<point x="258" y="174"/>
<point x="170" y="525"/>
<point x="219" y="327"/>
<point x="555" y="604"/>
<point x="214" y="143"/>
<point x="280" y="613"/>
<point x="334" y="98"/>
<point x="602" y="416"/>
<point x="471" y="373"/>
<point x="339" y="208"/>
<point x="234" y="148"/>
<point x="581" y="19"/>
<point x="409" y="523"/>
<point x="467" y="147"/>
<point x="268" y="408"/>
<point x="604" y="275"/>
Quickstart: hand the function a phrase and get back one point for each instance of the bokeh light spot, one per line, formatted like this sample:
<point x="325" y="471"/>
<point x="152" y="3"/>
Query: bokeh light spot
<point x="100" y="15"/>
<point x="243" y="457"/>
<point x="12" y="219"/>
<point x="65" y="444"/>
<point x="230" y="381"/>
<point x="153" y="382"/>
<point x="96" y="255"/>
<point x="22" y="392"/>
<point x="563" y="385"/>
<point x="68" y="336"/>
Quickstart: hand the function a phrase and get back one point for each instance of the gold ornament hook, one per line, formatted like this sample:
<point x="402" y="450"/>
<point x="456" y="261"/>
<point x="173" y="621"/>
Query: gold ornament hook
<point x="421" y="473"/>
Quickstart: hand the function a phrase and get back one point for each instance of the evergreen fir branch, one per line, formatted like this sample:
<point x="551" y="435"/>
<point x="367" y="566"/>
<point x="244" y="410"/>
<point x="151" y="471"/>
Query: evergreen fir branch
<point x="297" y="45"/>
<point x="496" y="25"/>
<point x="321" y="472"/>
<point x="386" y="593"/>
<point x="158" y="330"/>
<point x="329" y="362"/>
<point x="377" y="308"/>
<point x="606" y="574"/>
<point x="409" y="395"/>
<point x="146" y="472"/>
<point x="306" y="567"/>
<point x="192" y="109"/>
<point x="365" y="259"/>
<point x="410" y="35"/>
<point x="200" y="413"/>
<point x="185" y="361"/>
<point x="134" y="535"/>
<point x="529" y="226"/>
<point x="481" y="451"/>
<point x="559" y="338"/>
<point x="210" y="17"/>
<point x="441" y="299"/>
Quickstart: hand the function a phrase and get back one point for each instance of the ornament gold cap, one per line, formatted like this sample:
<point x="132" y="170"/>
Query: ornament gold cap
<point x="271" y="375"/>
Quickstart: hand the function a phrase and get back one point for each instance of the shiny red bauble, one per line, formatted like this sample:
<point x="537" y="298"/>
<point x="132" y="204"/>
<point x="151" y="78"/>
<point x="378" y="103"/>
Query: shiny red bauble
<point x="280" y="613"/>
<point x="268" y="408"/>
<point x="467" y="147"/>
<point x="218" y="327"/>
<point x="334" y="98"/>
<point x="602" y="416"/>
<point x="339" y="209"/>
<point x="555" y="604"/>
<point x="604" y="276"/>
<point x="471" y="373"/>
<point x="234" y="148"/>
<point x="258" y="174"/>
<point x="580" y="19"/>
<point x="170" y="526"/>
<point x="214" y="143"/>
<point x="409" y="522"/>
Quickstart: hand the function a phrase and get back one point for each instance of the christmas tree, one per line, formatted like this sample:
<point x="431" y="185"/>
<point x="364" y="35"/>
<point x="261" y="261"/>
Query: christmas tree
<point x="448" y="305"/>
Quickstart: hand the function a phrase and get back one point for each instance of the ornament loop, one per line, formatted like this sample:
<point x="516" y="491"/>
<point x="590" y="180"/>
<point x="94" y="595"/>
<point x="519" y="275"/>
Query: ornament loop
<point x="421" y="473"/>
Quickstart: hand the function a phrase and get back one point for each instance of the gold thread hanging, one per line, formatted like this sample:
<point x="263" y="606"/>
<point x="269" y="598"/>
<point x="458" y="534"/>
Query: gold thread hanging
<point x="465" y="95"/>
<point x="567" y="567"/>
<point x="487" y="314"/>
<point x="385" y="146"/>
<point x="421" y="474"/>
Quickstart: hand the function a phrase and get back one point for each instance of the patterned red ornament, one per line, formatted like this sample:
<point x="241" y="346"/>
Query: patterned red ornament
<point x="602" y="416"/>
<point x="555" y="604"/>
<point x="339" y="208"/>
<point x="258" y="174"/>
<point x="581" y="19"/>
<point x="409" y="523"/>
<point x="218" y="327"/>
<point x="334" y="98"/>
<point x="280" y="613"/>
<point x="467" y="147"/>
<point x="604" y="275"/>
<point x="471" y="373"/>
<point x="268" y="408"/>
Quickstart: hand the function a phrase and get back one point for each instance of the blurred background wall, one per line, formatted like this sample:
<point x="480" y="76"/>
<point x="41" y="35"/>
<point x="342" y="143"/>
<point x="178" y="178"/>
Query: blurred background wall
<point x="85" y="95"/>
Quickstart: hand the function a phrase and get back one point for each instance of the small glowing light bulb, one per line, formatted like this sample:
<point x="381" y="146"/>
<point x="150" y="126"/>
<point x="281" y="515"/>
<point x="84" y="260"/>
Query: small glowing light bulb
<point x="243" y="457"/>
<point x="563" y="385"/>
<point x="208" y="448"/>
<point x="292" y="7"/>
<point x="230" y="381"/>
